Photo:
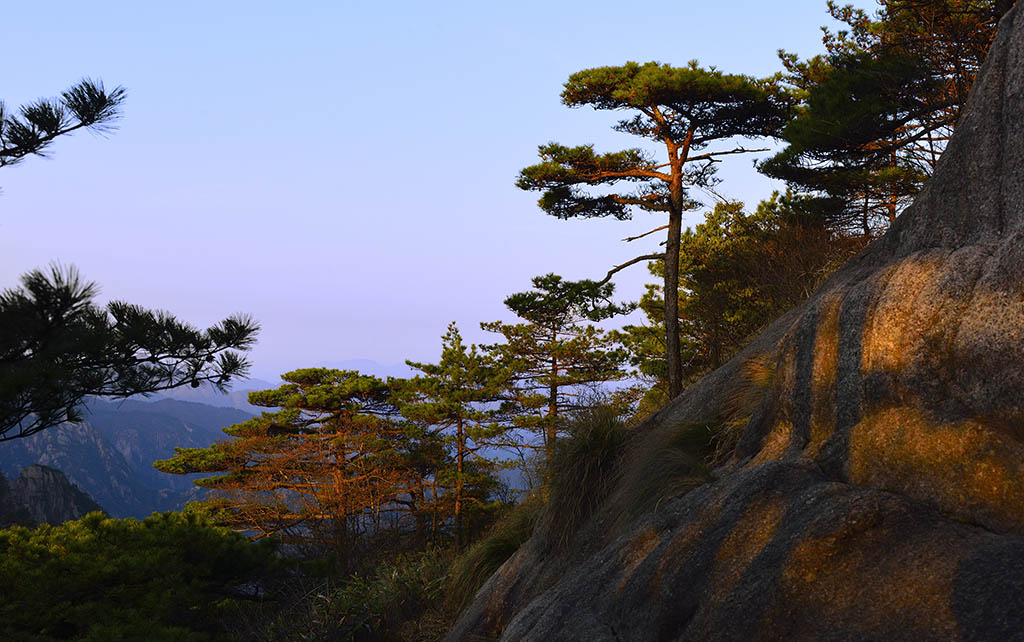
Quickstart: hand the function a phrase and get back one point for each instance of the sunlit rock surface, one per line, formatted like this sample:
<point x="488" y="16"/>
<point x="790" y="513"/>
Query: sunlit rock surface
<point x="877" y="493"/>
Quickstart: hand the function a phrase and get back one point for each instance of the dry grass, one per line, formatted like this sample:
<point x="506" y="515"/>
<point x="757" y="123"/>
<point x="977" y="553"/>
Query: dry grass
<point x="664" y="464"/>
<point x="583" y="470"/>
<point x="756" y="379"/>
<point x="670" y="461"/>
<point x="473" y="568"/>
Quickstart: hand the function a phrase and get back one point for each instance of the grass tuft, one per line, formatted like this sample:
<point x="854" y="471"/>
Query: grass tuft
<point x="583" y="470"/>
<point x="665" y="464"/>
<point x="756" y="378"/>
<point x="473" y="568"/>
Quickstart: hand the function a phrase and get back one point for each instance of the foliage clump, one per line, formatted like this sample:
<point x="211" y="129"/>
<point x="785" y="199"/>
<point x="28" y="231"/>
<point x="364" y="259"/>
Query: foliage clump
<point x="167" y="577"/>
<point x="57" y="347"/>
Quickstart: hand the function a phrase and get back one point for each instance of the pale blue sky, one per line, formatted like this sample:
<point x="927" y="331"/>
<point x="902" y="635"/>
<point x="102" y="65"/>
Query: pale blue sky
<point x="343" y="171"/>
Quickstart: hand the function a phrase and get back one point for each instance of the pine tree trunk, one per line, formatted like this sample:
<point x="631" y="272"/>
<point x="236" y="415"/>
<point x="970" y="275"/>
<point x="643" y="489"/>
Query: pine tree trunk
<point x="460" y="455"/>
<point x="675" y="229"/>
<point x="552" y="428"/>
<point x="891" y="205"/>
<point x="865" y="220"/>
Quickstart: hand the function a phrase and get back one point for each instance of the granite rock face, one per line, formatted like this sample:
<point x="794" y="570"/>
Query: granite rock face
<point x="877" y="491"/>
<point x="49" y="497"/>
<point x="12" y="513"/>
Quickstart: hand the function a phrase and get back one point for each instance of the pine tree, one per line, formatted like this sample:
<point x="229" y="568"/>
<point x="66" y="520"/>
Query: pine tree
<point x="686" y="109"/>
<point x="332" y="467"/>
<point x="458" y="397"/>
<point x="556" y="353"/>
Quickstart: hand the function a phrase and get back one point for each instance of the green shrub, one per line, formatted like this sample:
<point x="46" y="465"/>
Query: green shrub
<point x="167" y="577"/>
<point x="388" y="603"/>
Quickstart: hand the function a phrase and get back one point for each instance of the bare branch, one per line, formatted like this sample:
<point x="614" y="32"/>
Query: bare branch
<point x="617" y="268"/>
<point x="711" y="191"/>
<point x="712" y="155"/>
<point x="629" y="173"/>
<point x="633" y="238"/>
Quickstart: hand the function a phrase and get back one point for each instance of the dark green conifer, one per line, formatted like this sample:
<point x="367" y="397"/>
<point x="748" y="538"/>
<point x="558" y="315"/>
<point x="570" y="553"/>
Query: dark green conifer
<point x="556" y="353"/>
<point x="459" y="396"/>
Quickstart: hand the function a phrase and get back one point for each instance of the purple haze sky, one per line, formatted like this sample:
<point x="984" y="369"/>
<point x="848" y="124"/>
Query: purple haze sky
<point x="343" y="171"/>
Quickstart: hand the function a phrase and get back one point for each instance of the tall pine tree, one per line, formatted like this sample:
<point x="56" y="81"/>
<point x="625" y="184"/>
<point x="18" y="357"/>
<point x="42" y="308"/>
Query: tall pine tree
<point x="687" y="110"/>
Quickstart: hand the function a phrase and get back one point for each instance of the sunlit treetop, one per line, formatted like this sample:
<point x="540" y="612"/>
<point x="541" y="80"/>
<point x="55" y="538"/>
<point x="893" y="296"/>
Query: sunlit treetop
<point x="675" y="101"/>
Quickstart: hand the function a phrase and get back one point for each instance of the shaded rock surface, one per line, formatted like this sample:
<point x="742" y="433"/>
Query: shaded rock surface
<point x="877" y="490"/>
<point x="12" y="513"/>
<point x="48" y="497"/>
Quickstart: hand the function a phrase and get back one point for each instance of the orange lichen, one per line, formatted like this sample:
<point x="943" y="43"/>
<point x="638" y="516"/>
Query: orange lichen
<point x="775" y="444"/>
<point x="635" y="552"/>
<point x="751" y="534"/>
<point x="838" y="573"/>
<point x="893" y="328"/>
<point x="963" y="468"/>
<point x="823" y="376"/>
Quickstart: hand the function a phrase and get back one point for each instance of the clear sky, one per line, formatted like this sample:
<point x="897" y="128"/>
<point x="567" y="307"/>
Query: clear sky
<point x="343" y="171"/>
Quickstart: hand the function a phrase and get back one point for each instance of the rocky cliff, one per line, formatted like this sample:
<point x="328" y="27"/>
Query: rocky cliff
<point x="42" y="495"/>
<point x="12" y="513"/>
<point x="876" y="492"/>
<point x="48" y="496"/>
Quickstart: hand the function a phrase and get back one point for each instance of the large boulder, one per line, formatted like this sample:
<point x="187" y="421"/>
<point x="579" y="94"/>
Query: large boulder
<point x="877" y="490"/>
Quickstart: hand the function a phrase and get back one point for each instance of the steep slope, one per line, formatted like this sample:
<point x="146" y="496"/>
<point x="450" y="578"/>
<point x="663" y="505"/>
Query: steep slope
<point x="877" y="490"/>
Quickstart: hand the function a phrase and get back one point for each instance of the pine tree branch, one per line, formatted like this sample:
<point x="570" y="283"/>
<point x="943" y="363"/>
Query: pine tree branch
<point x="711" y="155"/>
<point x="640" y="236"/>
<point x="618" y="268"/>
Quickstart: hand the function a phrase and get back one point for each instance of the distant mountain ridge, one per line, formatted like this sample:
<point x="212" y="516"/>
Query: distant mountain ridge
<point x="208" y="395"/>
<point x="110" y="455"/>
